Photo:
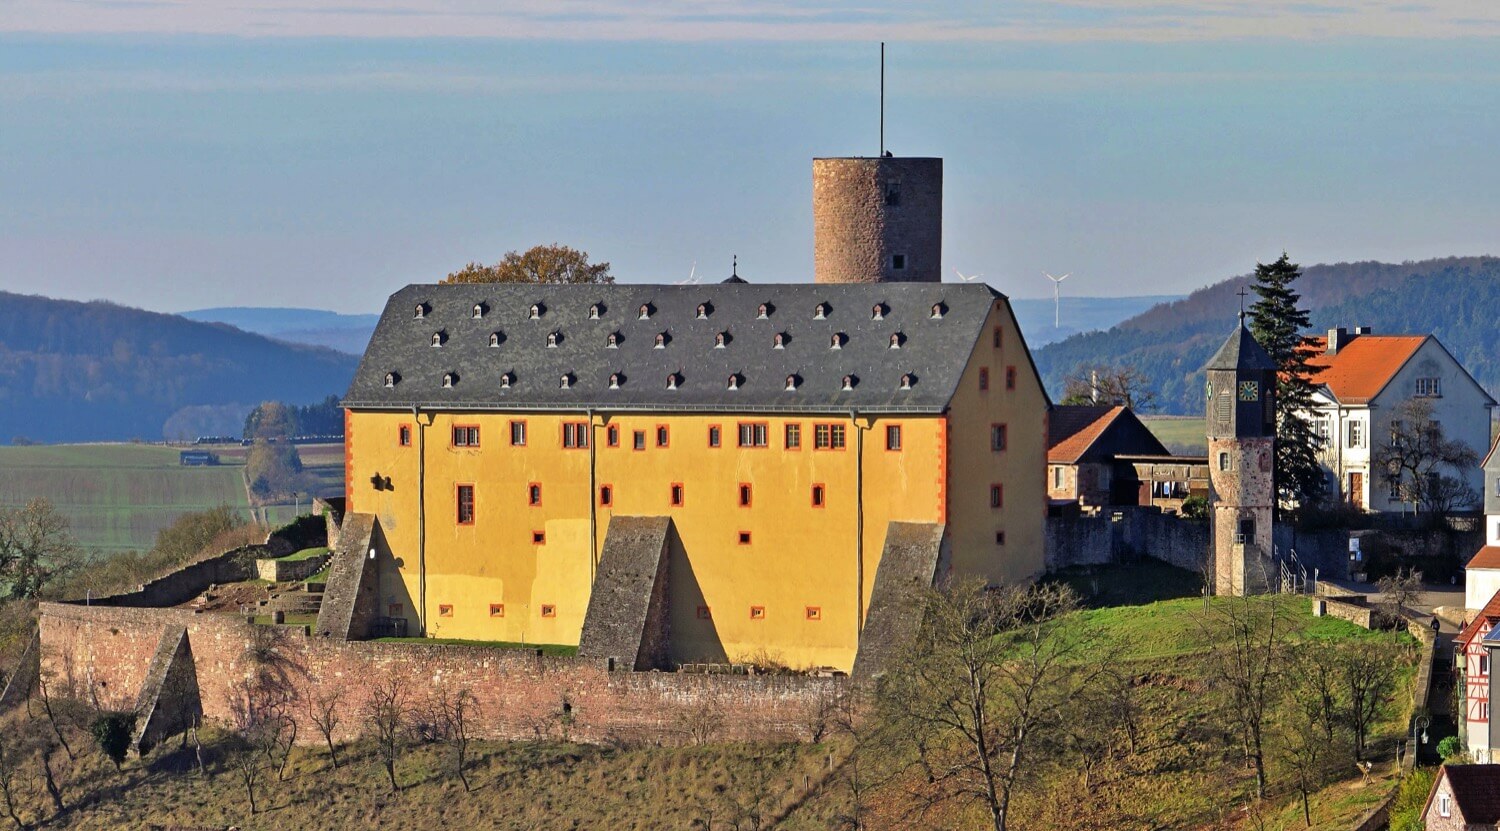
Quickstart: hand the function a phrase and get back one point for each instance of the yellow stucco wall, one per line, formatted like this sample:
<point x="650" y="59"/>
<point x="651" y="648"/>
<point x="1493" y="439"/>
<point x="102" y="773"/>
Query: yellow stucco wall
<point x="799" y="555"/>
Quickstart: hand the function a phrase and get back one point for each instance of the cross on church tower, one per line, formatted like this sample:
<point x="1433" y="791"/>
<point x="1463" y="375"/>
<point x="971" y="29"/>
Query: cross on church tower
<point x="1243" y="294"/>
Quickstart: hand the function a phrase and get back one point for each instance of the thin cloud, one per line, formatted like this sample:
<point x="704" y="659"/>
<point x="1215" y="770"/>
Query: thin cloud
<point x="764" y="20"/>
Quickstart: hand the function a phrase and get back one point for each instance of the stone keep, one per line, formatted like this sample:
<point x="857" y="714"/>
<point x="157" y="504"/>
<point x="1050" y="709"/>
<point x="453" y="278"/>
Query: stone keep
<point x="1241" y="425"/>
<point x="878" y="220"/>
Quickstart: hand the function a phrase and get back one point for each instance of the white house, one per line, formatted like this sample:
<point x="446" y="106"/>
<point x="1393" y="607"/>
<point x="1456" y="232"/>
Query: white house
<point x="1361" y="379"/>
<point x="1482" y="574"/>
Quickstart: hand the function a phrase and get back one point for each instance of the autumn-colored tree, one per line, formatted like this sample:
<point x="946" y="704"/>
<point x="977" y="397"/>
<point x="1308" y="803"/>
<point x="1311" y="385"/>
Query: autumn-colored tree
<point x="553" y="263"/>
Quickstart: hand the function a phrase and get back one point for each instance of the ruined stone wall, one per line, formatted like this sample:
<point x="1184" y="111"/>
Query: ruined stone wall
<point x="1126" y="534"/>
<point x="520" y="694"/>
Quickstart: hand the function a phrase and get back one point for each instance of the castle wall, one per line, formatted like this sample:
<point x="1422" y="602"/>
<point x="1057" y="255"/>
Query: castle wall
<point x="857" y="230"/>
<point x="109" y="650"/>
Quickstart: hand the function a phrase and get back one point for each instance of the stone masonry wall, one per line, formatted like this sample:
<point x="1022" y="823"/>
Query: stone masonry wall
<point x="1126" y="534"/>
<point x="521" y="695"/>
<point x="855" y="232"/>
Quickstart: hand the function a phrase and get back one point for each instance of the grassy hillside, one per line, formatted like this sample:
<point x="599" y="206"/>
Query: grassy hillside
<point x="1183" y="435"/>
<point x="96" y="371"/>
<point x="1171" y="342"/>
<point x="118" y="496"/>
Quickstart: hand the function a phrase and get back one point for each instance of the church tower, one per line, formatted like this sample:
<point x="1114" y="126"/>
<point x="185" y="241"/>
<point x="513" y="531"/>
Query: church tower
<point x="1241" y="422"/>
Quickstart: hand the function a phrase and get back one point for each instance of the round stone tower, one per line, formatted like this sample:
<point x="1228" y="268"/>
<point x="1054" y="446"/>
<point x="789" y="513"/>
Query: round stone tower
<point x="878" y="220"/>
<point x="1241" y="422"/>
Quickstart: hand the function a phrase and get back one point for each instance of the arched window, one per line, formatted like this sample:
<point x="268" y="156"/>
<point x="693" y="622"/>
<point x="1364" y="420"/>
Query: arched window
<point x="505" y="381"/>
<point x="837" y="341"/>
<point x="820" y="312"/>
<point x="905" y="382"/>
<point x="494" y="339"/>
<point x="719" y="341"/>
<point x="421" y="311"/>
<point x="612" y="342"/>
<point x="614" y="380"/>
<point x="551" y="340"/>
<point x="645" y="312"/>
<point x="594" y="312"/>
<point x="661" y="341"/>
<point x="448" y="380"/>
<point x="536" y="312"/>
<point x="937" y="311"/>
<point x="733" y="383"/>
<point x="878" y="312"/>
<point x="895" y="340"/>
<point x="478" y="310"/>
<point x="703" y="311"/>
<point x="762" y="312"/>
<point x="848" y="383"/>
<point x="672" y="381"/>
<point x="390" y="380"/>
<point x="779" y="341"/>
<point x="791" y="383"/>
<point x="564" y="382"/>
<point x="437" y="338"/>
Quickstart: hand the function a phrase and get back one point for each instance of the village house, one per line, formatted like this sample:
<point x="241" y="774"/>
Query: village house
<point x="1482" y="573"/>
<point x="1464" y="798"/>
<point x="1362" y="379"/>
<point x="1100" y="456"/>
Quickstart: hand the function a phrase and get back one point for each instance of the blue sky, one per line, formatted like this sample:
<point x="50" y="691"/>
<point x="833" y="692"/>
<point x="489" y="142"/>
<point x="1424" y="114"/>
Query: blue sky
<point x="176" y="155"/>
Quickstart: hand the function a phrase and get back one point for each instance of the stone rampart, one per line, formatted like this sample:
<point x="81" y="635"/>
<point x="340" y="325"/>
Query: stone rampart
<point x="522" y="695"/>
<point x="1116" y="535"/>
<point x="191" y="580"/>
<point x="284" y="570"/>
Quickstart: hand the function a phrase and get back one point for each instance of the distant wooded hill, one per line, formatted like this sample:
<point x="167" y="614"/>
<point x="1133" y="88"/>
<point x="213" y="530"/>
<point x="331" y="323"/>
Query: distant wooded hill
<point x="100" y="372"/>
<point x="315" y="327"/>
<point x="1456" y="298"/>
<point x="1045" y="323"/>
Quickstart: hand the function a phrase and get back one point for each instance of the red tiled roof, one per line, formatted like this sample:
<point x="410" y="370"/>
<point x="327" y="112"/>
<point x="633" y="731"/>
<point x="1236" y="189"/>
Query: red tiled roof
<point x="1491" y="611"/>
<point x="1476" y="789"/>
<point x="1362" y="367"/>
<point x="1488" y="557"/>
<point x="1072" y="430"/>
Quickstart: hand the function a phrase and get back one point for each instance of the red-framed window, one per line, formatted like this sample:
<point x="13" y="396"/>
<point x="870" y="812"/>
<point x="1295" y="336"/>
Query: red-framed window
<point x="612" y="435"/>
<point x="575" y="435"/>
<point x="403" y="435"/>
<point x="464" y="496"/>
<point x="678" y="495"/>
<point x="663" y="436"/>
<point x="518" y="433"/>
<point x="497" y="610"/>
<point x="814" y="612"/>
<point x="715" y="435"/>
<point x="828" y="436"/>
<point x="534" y="494"/>
<point x="1010" y="377"/>
<point x="793" y="437"/>
<point x="744" y="538"/>
<point x="757" y="613"/>
<point x="997" y="496"/>
<point x="984" y="378"/>
<point x="445" y="610"/>
<point x="746" y="494"/>
<point x="549" y="610"/>
<point x="893" y="437"/>
<point x="538" y="537"/>
<point x="465" y="435"/>
<point x="999" y="437"/>
<point x="819" y="496"/>
<point x="753" y="433"/>
<point x="606" y="496"/>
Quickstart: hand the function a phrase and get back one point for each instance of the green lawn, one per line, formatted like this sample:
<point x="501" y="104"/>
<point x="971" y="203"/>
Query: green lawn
<point x="1183" y="435"/>
<point x="306" y="554"/>
<point x="550" y="649"/>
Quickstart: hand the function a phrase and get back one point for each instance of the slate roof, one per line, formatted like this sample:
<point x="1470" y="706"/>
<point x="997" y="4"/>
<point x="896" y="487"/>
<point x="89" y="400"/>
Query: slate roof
<point x="1241" y="351"/>
<point x="1476" y="789"/>
<point x="933" y="352"/>
<point x="1361" y="368"/>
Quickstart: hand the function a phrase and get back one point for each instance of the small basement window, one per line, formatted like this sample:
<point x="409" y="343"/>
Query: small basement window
<point x="898" y="262"/>
<point x="549" y="610"/>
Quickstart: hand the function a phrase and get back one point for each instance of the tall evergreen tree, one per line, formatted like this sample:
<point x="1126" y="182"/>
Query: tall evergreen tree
<point x="1278" y="324"/>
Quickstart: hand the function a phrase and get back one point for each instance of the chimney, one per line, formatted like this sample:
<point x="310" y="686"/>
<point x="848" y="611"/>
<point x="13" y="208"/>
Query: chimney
<point x="1364" y="330"/>
<point x="1094" y="386"/>
<point x="1337" y="339"/>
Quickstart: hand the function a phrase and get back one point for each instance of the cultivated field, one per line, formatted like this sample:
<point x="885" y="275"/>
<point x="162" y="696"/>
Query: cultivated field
<point x="1183" y="435"/>
<point x="117" y="496"/>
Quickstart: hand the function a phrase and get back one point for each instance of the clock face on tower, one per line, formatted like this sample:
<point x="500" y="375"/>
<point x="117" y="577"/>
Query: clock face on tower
<point x="1249" y="391"/>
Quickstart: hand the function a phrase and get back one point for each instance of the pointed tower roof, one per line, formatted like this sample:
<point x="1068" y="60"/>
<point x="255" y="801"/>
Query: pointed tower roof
<point x="1241" y="351"/>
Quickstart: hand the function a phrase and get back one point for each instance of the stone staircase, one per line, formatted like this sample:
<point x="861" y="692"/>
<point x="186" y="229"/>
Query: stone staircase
<point x="294" y="599"/>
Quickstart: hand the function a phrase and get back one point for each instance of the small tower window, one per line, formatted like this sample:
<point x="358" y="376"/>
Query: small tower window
<point x="892" y="194"/>
<point x="905" y="383"/>
<point x="505" y="379"/>
<point x="878" y="312"/>
<point x="733" y="383"/>
<point x="937" y="311"/>
<point x="536" y="312"/>
<point x="1224" y="462"/>
<point x="552" y="339"/>
<point x="614" y="380"/>
<point x="719" y="340"/>
<point x="898" y="262"/>
<point x="437" y="338"/>
<point x="848" y="383"/>
<point x="594" y="312"/>
<point x="565" y="381"/>
<point x="778" y="341"/>
<point x="896" y="340"/>
<point x="820" y="312"/>
<point x="645" y="311"/>
<point x="762" y="311"/>
<point x="791" y="383"/>
<point x="837" y="341"/>
<point x="612" y="342"/>
<point x="703" y="311"/>
<point x="390" y="380"/>
<point x="449" y="379"/>
<point x="478" y="310"/>
<point x="494" y="339"/>
<point x="672" y="381"/>
<point x="661" y="341"/>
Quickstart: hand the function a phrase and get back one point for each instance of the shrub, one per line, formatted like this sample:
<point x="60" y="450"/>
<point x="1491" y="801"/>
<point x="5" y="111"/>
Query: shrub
<point x="1406" y="811"/>
<point x="112" y="732"/>
<point x="1195" y="507"/>
<point x="1450" y="747"/>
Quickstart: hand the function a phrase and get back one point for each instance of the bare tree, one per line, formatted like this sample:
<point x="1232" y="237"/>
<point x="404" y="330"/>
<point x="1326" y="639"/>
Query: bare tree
<point x="458" y="710"/>
<point x="55" y="712"/>
<point x="324" y="711"/>
<point x="37" y="549"/>
<point x="387" y="715"/>
<point x="987" y="673"/>
<point x="1367" y="671"/>
<point x="249" y="763"/>
<point x="1400" y="591"/>
<point x="1249" y="639"/>
<point x="1422" y="465"/>
<point x="10" y="769"/>
<point x="44" y="749"/>
<point x="1305" y="732"/>
<point x="1112" y="386"/>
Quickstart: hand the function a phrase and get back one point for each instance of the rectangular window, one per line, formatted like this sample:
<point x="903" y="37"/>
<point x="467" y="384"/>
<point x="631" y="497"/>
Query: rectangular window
<point x="1224" y="461"/>
<point x="898" y="262"/>
<point x="893" y="437"/>
<point x="998" y="437"/>
<point x="1356" y="434"/>
<point x="1057" y="477"/>
<point x="745" y="494"/>
<point x="575" y="435"/>
<point x="794" y="437"/>
<point x="403" y="435"/>
<point x="1429" y="387"/>
<point x="999" y="538"/>
<point x="497" y="610"/>
<point x="394" y="610"/>
<point x="662" y="435"/>
<point x="465" y="504"/>
<point x="678" y="495"/>
<point x="814" y="612"/>
<point x="757" y="613"/>
<point x="715" y="435"/>
<point x="997" y="337"/>
<point x="819" y="496"/>
<point x="538" y="537"/>
<point x="534" y="494"/>
<point x="744" y="538"/>
<point x="1445" y="807"/>
<point x="445" y="610"/>
<point x="753" y="434"/>
<point x="997" y="496"/>
<point x="704" y="613"/>
<point x="606" y="496"/>
<point x="984" y="378"/>
<point x="638" y="440"/>
<point x="518" y="434"/>
<point x="828" y="436"/>
<point x="612" y="435"/>
<point x="465" y="436"/>
<point x="549" y="610"/>
<point x="1484" y="665"/>
<point x="1010" y="377"/>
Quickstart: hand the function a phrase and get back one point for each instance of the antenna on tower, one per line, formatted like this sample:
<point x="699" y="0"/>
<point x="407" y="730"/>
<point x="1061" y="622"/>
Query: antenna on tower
<point x="882" y="98"/>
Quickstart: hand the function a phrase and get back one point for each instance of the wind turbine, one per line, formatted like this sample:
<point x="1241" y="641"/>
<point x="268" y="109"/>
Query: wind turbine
<point x="1057" y="297"/>
<point x="969" y="279"/>
<point x="692" y="278"/>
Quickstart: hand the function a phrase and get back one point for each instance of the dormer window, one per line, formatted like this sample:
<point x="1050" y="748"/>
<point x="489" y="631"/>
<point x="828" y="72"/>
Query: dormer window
<point x="878" y="312"/>
<point x="612" y="341"/>
<point x="703" y="311"/>
<point x="720" y="340"/>
<point x="779" y="341"/>
<point x="552" y="339"/>
<point x="672" y="381"/>
<point x="565" y="381"/>
<point x="905" y="382"/>
<point x="837" y="341"/>
<point x="421" y="311"/>
<point x="661" y="341"/>
<point x="791" y="383"/>
<point x="645" y="312"/>
<point x="536" y="312"/>
<point x="896" y="340"/>
<point x="390" y="380"/>
<point x="437" y="338"/>
<point x="820" y="312"/>
<point x="937" y="311"/>
<point x="594" y="312"/>
<point x="734" y="382"/>
<point x="614" y="380"/>
<point x="449" y="379"/>
<point x="478" y="310"/>
<point x="505" y="379"/>
<point x="494" y="339"/>
<point x="848" y="383"/>
<point x="762" y="311"/>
